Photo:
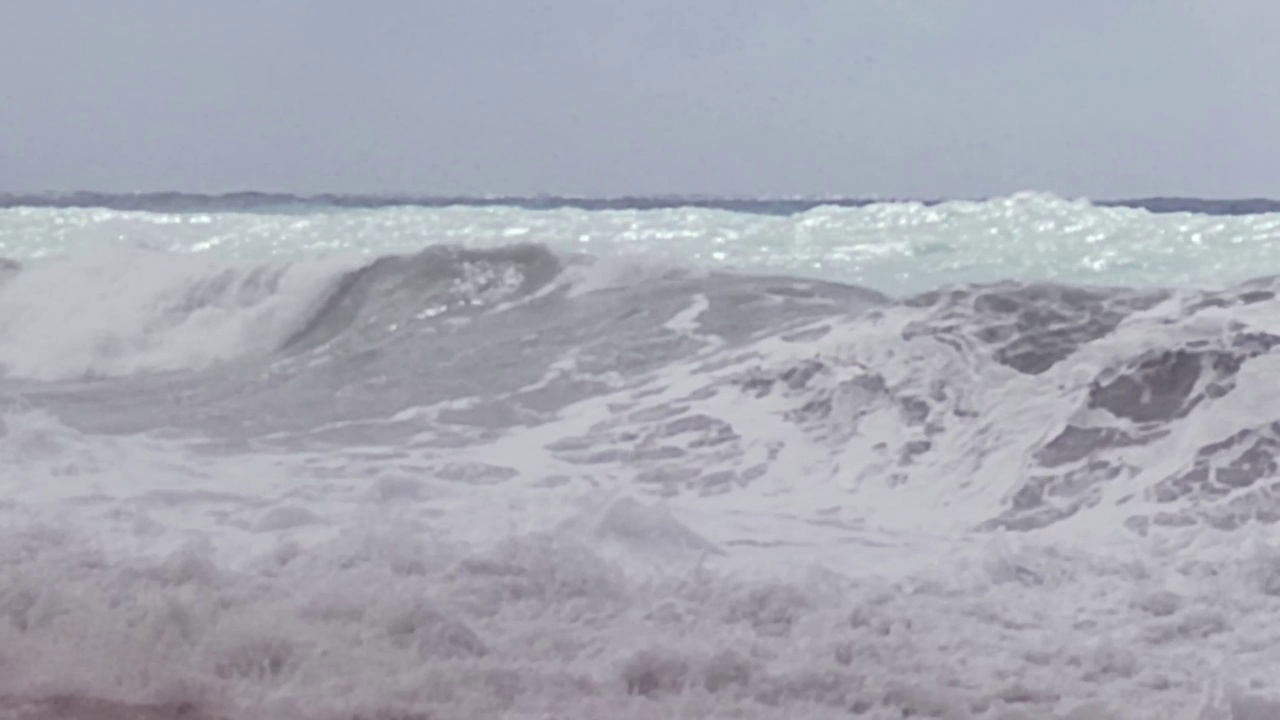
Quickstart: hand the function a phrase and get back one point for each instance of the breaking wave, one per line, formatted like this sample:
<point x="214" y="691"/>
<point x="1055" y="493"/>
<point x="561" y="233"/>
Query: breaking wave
<point x="1145" y="399"/>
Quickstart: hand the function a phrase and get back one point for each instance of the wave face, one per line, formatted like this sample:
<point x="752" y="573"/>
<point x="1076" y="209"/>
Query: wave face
<point x="555" y="414"/>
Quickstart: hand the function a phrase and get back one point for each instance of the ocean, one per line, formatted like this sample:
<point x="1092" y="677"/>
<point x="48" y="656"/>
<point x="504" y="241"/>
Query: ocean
<point x="275" y="457"/>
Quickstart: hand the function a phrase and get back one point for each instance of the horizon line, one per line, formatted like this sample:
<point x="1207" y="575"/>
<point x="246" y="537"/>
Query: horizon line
<point x="181" y="201"/>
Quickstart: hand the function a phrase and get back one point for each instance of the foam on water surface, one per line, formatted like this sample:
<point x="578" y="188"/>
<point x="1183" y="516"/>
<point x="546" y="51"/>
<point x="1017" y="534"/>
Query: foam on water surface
<point x="676" y="463"/>
<point x="900" y="248"/>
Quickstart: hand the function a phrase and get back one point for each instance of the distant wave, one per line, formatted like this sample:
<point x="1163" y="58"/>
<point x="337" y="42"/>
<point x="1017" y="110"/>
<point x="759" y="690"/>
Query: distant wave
<point x="252" y="201"/>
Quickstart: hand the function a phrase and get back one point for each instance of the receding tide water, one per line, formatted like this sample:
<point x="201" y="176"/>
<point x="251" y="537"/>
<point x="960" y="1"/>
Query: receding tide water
<point x="1008" y="458"/>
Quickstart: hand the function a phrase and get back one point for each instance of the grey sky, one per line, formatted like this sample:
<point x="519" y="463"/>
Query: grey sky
<point x="857" y="97"/>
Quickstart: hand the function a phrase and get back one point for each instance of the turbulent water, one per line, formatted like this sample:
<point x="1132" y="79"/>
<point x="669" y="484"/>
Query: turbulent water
<point x="1010" y="458"/>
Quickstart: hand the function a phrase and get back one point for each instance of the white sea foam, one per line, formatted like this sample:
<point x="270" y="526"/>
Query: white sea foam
<point x="633" y="488"/>
<point x="119" y="310"/>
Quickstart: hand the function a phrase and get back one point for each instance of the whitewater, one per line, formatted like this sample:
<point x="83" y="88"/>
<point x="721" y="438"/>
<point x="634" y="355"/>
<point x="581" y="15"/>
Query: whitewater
<point x="1011" y="458"/>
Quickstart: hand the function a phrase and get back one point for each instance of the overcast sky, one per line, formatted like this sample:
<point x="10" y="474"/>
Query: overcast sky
<point x="1103" y="98"/>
